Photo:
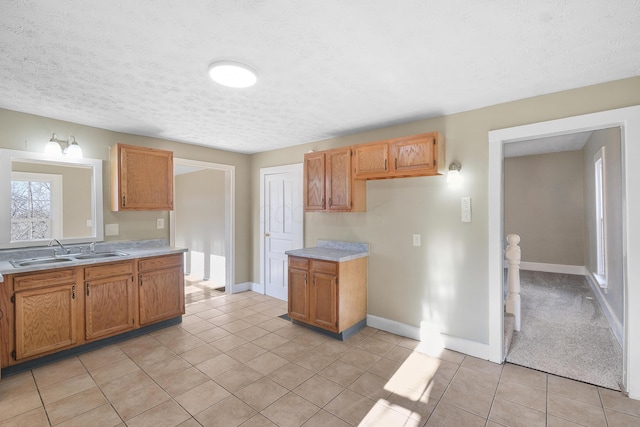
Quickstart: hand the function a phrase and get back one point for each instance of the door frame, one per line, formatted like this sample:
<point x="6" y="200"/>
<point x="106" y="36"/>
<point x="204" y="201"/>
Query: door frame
<point x="229" y="215"/>
<point x="628" y="119"/>
<point x="295" y="167"/>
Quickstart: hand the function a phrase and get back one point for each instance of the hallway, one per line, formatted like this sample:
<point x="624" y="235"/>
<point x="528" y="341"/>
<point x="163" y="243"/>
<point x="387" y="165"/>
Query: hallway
<point x="564" y="331"/>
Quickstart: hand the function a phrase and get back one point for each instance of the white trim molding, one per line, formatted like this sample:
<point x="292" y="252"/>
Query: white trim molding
<point x="628" y="120"/>
<point x="229" y="215"/>
<point x="431" y="341"/>
<point x="579" y="270"/>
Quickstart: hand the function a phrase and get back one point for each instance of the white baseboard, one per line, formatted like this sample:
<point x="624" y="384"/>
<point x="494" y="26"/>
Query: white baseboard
<point x="614" y="322"/>
<point x="580" y="270"/>
<point x="257" y="287"/>
<point x="241" y="287"/>
<point x="460" y="345"/>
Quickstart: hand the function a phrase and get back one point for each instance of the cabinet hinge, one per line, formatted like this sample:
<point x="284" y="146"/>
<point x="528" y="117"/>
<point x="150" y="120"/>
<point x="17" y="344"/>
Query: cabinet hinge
<point x="336" y="280"/>
<point x="13" y="299"/>
<point x="434" y="141"/>
<point x="124" y="201"/>
<point x="13" y="354"/>
<point x="434" y="163"/>
<point x="141" y="280"/>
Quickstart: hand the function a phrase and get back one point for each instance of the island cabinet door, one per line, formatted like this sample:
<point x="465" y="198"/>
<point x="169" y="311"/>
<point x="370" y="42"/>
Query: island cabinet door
<point x="108" y="306"/>
<point x="161" y="294"/>
<point x="298" y="294"/>
<point x="324" y="293"/>
<point x="45" y="320"/>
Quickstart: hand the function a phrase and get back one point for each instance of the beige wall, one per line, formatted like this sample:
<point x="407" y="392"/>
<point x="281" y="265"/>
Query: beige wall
<point x="610" y="139"/>
<point x="199" y="213"/>
<point x="31" y="133"/>
<point x="443" y="283"/>
<point x="543" y="203"/>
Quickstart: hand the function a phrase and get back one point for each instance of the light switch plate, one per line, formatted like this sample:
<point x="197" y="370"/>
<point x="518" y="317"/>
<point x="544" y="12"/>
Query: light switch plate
<point x="160" y="223"/>
<point x="465" y="207"/>
<point x="417" y="240"/>
<point x="111" y="229"/>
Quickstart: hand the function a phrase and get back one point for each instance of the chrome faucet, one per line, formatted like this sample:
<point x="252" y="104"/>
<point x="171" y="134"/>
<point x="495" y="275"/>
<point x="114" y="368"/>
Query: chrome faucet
<point x="92" y="247"/>
<point x="65" y="250"/>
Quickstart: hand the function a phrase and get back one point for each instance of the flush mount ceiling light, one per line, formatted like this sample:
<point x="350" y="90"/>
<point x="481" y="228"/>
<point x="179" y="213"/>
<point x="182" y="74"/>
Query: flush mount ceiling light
<point x="232" y="74"/>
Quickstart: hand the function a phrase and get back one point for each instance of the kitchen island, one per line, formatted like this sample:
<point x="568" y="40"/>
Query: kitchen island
<point x="328" y="287"/>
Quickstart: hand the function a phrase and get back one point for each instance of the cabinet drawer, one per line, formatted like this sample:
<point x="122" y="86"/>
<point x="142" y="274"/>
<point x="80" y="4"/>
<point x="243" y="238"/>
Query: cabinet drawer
<point x="324" y="266"/>
<point x="46" y="278"/>
<point x="156" y="263"/>
<point x="299" y="263"/>
<point x="108" y="270"/>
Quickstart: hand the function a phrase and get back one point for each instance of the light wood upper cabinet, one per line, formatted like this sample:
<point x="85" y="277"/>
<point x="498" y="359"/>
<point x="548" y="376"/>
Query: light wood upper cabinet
<point x="314" y="181"/>
<point x="416" y="155"/>
<point x="141" y="178"/>
<point x="371" y="160"/>
<point x="329" y="184"/>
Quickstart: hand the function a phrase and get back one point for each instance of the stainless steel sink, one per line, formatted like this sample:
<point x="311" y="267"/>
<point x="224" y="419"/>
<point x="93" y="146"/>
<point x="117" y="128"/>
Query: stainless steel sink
<point x="39" y="261"/>
<point x="98" y="255"/>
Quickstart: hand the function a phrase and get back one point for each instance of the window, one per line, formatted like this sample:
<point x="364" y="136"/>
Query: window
<point x="36" y="206"/>
<point x="601" y="246"/>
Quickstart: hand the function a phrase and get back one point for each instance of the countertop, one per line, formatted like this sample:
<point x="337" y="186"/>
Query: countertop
<point x="133" y="249"/>
<point x="331" y="250"/>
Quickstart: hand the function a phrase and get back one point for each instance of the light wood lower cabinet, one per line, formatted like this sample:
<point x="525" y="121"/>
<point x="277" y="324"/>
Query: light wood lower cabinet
<point x="327" y="294"/>
<point x="48" y="311"/>
<point x="109" y="300"/>
<point x="45" y="319"/>
<point x="161" y="288"/>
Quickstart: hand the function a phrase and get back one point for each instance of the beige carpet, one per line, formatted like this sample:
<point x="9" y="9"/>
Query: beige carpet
<point x="564" y="331"/>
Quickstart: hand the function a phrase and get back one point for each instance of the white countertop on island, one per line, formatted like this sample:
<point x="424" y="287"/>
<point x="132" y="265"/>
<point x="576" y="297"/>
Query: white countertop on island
<point x="331" y="250"/>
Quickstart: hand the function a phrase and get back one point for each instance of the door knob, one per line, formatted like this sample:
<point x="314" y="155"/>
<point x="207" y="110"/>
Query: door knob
<point x="267" y="235"/>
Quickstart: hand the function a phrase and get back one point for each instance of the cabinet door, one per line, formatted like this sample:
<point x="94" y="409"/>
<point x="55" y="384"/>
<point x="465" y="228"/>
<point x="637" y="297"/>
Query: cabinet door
<point x="108" y="306"/>
<point x="298" y="294"/>
<point x="314" y="181"/>
<point x="161" y="294"/>
<point x="45" y="320"/>
<point x="324" y="294"/>
<point x="415" y="155"/>
<point x="371" y="160"/>
<point x="144" y="178"/>
<point x="338" y="179"/>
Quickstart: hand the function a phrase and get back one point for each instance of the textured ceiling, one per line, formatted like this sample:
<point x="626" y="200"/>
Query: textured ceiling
<point x="326" y="68"/>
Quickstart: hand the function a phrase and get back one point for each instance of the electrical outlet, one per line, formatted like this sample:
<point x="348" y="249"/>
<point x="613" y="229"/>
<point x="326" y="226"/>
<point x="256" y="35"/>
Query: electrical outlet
<point x="417" y="240"/>
<point x="89" y="223"/>
<point x="160" y="223"/>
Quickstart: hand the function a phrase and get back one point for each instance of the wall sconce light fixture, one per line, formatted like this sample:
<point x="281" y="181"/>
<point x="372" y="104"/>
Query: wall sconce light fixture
<point x="69" y="147"/>
<point x="453" y="176"/>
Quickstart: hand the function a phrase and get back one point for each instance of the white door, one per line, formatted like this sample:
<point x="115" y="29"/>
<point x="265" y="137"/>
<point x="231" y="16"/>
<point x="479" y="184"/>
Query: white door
<point x="281" y="225"/>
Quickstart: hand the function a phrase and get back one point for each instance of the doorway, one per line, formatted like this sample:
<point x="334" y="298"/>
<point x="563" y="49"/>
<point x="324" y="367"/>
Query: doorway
<point x="628" y="119"/>
<point x="571" y="322"/>
<point x="281" y="225"/>
<point x="206" y="203"/>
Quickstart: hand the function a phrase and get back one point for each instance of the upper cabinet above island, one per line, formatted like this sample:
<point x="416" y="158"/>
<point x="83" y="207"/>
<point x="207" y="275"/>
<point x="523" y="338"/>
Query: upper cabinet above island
<point x="141" y="178"/>
<point x="334" y="180"/>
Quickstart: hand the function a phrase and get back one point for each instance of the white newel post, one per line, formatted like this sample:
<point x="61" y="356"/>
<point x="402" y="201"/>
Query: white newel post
<point x="512" y="254"/>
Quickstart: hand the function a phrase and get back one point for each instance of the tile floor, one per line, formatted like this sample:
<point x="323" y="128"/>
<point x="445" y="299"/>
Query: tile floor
<point x="233" y="362"/>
